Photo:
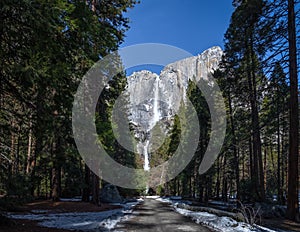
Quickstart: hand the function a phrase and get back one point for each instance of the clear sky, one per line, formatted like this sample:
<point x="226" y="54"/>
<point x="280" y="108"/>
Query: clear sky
<point x="193" y="25"/>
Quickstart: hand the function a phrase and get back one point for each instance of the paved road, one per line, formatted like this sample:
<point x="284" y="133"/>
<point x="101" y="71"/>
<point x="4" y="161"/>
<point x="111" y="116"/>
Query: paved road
<point x="155" y="216"/>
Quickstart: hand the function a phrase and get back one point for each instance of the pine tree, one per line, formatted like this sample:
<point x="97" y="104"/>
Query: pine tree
<point x="40" y="71"/>
<point x="293" y="174"/>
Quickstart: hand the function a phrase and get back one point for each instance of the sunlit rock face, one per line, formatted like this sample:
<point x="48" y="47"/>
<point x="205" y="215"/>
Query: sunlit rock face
<point x="156" y="98"/>
<point x="197" y="67"/>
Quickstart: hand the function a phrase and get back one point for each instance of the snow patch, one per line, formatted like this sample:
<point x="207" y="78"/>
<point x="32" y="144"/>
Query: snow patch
<point x="214" y="222"/>
<point x="152" y="197"/>
<point x="225" y="224"/>
<point x="83" y="221"/>
<point x="36" y="211"/>
<point x="173" y="200"/>
<point x="75" y="199"/>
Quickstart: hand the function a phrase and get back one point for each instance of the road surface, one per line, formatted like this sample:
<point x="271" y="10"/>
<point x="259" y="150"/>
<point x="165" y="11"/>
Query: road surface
<point x="155" y="216"/>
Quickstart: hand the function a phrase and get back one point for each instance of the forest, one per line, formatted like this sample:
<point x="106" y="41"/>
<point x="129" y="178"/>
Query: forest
<point x="47" y="47"/>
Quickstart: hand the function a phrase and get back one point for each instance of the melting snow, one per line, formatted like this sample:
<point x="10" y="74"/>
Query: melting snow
<point x="224" y="224"/>
<point x="84" y="221"/>
<point x="77" y="199"/>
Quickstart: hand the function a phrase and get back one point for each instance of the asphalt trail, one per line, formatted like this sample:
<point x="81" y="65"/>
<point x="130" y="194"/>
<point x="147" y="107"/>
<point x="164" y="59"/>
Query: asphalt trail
<point x="155" y="216"/>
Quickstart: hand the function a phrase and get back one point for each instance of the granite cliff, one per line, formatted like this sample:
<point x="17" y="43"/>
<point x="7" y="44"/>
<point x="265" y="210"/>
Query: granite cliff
<point x="156" y="98"/>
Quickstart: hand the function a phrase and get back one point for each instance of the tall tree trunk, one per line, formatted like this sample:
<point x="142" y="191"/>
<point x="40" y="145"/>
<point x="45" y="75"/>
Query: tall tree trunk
<point x="29" y="147"/>
<point x="243" y="163"/>
<point x="235" y="153"/>
<point x="251" y="159"/>
<point x="225" y="180"/>
<point x="265" y="165"/>
<point x="279" y="187"/>
<point x="190" y="192"/>
<point x="178" y="187"/>
<point x="254" y="172"/>
<point x="257" y="152"/>
<point x="56" y="171"/>
<point x="293" y="178"/>
<point x="37" y="145"/>
<point x="56" y="183"/>
<point x="196" y="176"/>
<point x="218" y="179"/>
<point x="17" y="164"/>
<point x="256" y="130"/>
<point x="13" y="146"/>
<point x="201" y="190"/>
<point x="95" y="187"/>
<point x="283" y="166"/>
<point x="35" y="150"/>
<point x="86" y="188"/>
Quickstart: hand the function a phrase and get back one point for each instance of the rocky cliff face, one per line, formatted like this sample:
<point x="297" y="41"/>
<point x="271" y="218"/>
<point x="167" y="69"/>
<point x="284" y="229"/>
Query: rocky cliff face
<point x="156" y="99"/>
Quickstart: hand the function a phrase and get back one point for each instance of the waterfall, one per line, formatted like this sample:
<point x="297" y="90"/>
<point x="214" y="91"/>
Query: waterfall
<point x="153" y="121"/>
<point x="146" y="162"/>
<point x="155" y="100"/>
<point x="146" y="156"/>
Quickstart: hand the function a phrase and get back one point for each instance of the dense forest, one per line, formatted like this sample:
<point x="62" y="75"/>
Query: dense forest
<point x="46" y="48"/>
<point x="258" y="77"/>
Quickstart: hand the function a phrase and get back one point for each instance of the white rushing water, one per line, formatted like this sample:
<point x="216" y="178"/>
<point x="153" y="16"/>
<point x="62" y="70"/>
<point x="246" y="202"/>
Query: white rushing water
<point x="155" y="119"/>
<point x="146" y="162"/>
<point x="146" y="156"/>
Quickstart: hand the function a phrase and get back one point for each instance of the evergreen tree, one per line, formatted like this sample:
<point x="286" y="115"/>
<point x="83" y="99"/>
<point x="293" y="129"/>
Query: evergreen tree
<point x="40" y="71"/>
<point x="293" y="163"/>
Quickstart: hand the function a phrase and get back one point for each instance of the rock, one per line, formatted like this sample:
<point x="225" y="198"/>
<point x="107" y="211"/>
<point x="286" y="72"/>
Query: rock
<point x="110" y="194"/>
<point x="155" y="99"/>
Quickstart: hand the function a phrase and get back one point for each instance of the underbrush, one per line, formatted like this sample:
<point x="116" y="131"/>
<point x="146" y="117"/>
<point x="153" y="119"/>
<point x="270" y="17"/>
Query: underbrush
<point x="13" y="203"/>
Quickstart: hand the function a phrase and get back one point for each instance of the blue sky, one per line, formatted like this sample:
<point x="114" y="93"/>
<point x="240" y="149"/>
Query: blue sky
<point x="192" y="25"/>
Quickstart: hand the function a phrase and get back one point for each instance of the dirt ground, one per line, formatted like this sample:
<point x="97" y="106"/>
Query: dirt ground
<point x="27" y="226"/>
<point x="52" y="207"/>
<point x="65" y="207"/>
<point x="282" y="224"/>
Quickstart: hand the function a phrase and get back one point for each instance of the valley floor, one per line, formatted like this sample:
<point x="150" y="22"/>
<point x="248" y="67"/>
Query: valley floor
<point x="154" y="214"/>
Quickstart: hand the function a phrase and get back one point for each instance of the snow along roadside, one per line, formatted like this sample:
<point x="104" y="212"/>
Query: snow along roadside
<point x="83" y="221"/>
<point x="212" y="221"/>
